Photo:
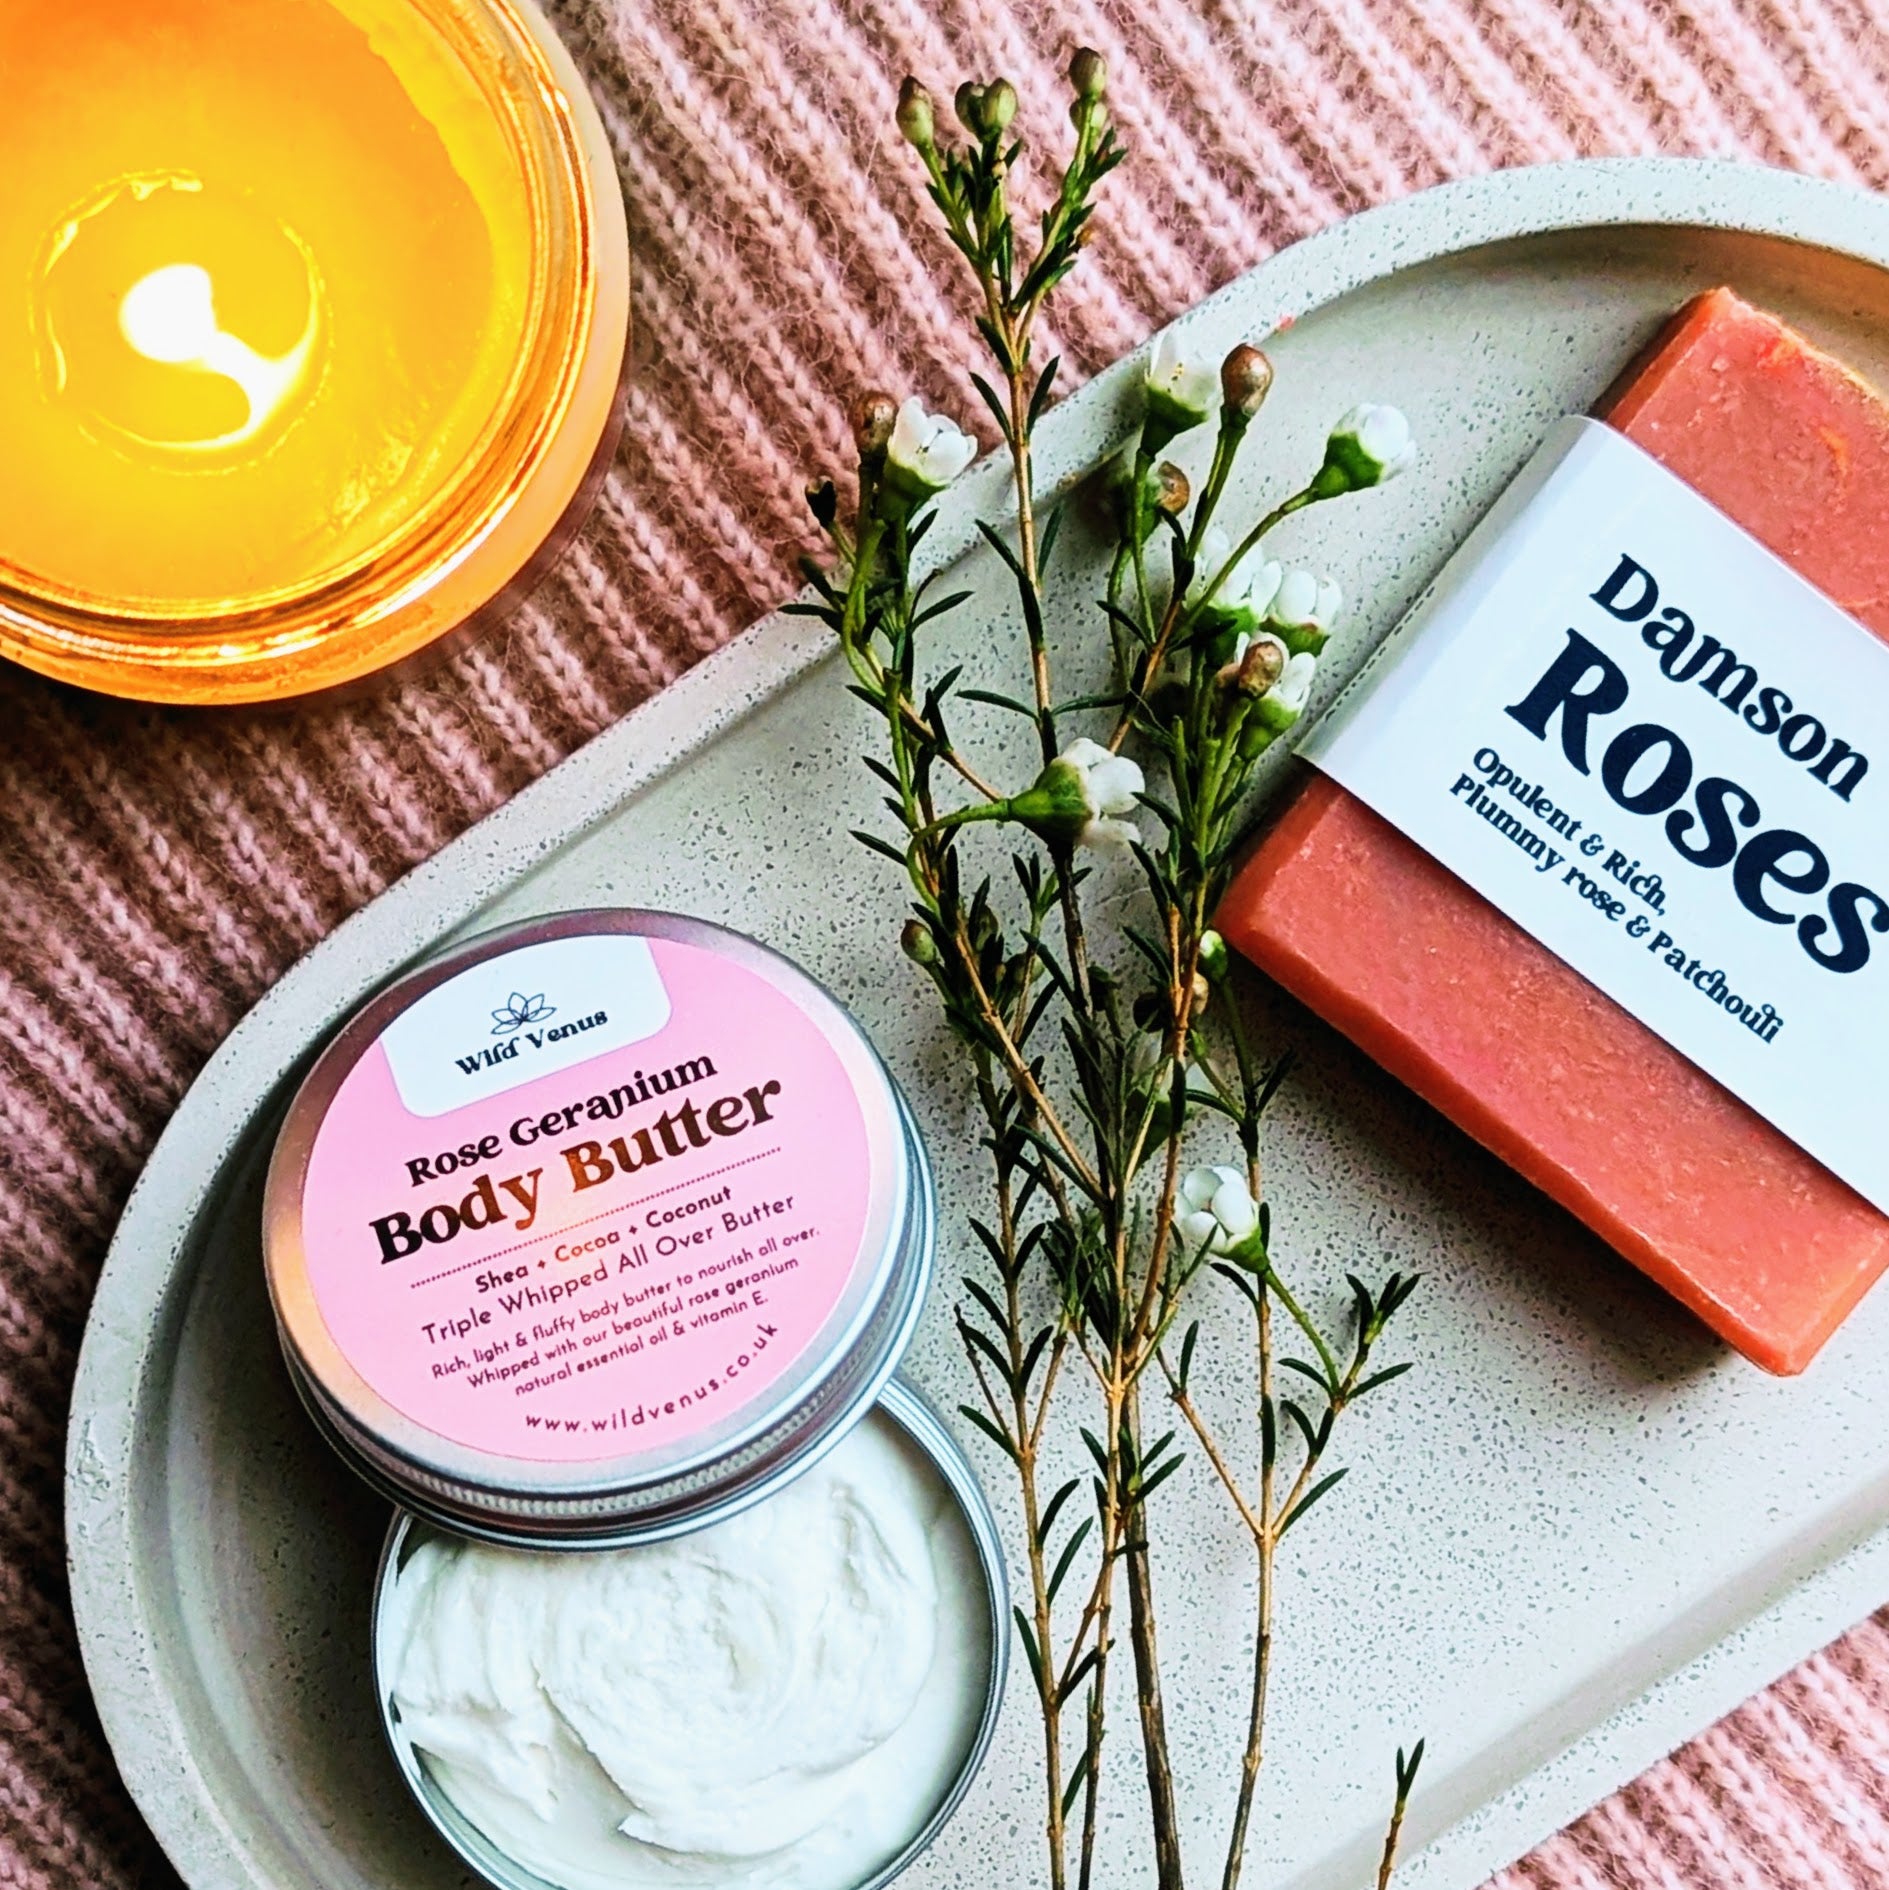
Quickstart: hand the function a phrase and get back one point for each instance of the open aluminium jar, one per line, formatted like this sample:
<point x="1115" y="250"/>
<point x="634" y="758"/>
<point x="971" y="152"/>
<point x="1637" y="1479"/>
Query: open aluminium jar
<point x="595" y="1244"/>
<point x="324" y="336"/>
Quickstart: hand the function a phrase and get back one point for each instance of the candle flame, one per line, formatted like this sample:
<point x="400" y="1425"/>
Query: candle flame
<point x="170" y="317"/>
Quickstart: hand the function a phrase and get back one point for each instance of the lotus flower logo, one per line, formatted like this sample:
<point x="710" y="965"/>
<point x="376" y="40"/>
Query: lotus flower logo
<point x="518" y="1010"/>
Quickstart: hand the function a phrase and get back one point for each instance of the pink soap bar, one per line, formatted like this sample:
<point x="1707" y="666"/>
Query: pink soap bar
<point x="1516" y="1048"/>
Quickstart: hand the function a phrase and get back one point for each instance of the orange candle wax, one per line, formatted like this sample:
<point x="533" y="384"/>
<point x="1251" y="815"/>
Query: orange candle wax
<point x="278" y="278"/>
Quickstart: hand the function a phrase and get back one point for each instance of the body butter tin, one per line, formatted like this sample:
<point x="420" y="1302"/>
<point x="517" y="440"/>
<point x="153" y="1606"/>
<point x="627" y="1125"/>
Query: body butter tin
<point x="595" y="1229"/>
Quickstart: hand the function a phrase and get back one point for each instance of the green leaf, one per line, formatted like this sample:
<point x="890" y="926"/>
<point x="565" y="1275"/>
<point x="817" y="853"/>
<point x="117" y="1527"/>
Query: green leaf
<point x="985" y="1423"/>
<point x="994" y="539"/>
<point x="977" y="1340"/>
<point x="989" y="394"/>
<point x="1047" y="1521"/>
<point x="940" y="607"/>
<point x="1363" y="1304"/>
<point x="1073" y="1790"/>
<point x="1381" y="1378"/>
<point x="985" y="1299"/>
<point x="1039" y="399"/>
<point x="1269" y="1085"/>
<point x="1240" y="1280"/>
<point x="1188" y="1341"/>
<point x="1148" y="1485"/>
<point x="872" y="840"/>
<point x="1132" y="624"/>
<point x="1312" y="1495"/>
<point x="1027" y="1635"/>
<point x="1032" y="1357"/>
<point x="1075" y="1542"/>
<point x="1312" y="1372"/>
<point x="996" y="701"/>
<point x="1066" y="1691"/>
<point x="1052" y="524"/>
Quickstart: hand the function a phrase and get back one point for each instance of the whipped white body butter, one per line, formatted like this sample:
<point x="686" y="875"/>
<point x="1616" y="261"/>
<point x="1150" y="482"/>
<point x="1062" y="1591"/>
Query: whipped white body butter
<point x="779" y="1701"/>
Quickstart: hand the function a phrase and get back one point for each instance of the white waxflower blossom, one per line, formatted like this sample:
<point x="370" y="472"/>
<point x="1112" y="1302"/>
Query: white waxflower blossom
<point x="1248" y="588"/>
<point x="1081" y="796"/>
<point x="1214" y="547"/>
<point x="1214" y="1209"/>
<point x="1302" y="609"/>
<point x="926" y="451"/>
<point x="1189" y="383"/>
<point x="1181" y="392"/>
<point x="1111" y="788"/>
<point x="1370" y="444"/>
<point x="1251" y="586"/>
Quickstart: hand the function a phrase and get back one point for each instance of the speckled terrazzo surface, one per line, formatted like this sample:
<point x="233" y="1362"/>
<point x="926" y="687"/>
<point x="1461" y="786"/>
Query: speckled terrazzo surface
<point x="165" y="869"/>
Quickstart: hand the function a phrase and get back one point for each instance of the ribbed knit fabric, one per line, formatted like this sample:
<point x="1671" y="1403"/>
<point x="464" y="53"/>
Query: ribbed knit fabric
<point x="161" y="869"/>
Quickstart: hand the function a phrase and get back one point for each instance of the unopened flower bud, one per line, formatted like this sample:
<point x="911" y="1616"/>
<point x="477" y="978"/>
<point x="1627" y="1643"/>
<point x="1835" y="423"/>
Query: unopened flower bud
<point x="917" y="117"/>
<point x="1201" y="991"/>
<point x="1370" y="444"/>
<point x="1088" y="73"/>
<point x="999" y="105"/>
<point x="968" y="103"/>
<point x="1263" y="663"/>
<point x="1245" y="379"/>
<point x="1169" y="489"/>
<point x="917" y="942"/>
<point x="1213" y="956"/>
<point x="1091" y="110"/>
<point x="1215" y="1210"/>
<point x="874" y="415"/>
<point x="1282" y="705"/>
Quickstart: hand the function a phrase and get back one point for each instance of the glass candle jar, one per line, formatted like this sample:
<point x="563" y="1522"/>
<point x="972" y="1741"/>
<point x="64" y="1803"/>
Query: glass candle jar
<point x="325" y="311"/>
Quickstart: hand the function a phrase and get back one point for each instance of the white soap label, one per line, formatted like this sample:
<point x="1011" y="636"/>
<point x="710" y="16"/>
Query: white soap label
<point x="1650" y="743"/>
<point x="522" y="1015"/>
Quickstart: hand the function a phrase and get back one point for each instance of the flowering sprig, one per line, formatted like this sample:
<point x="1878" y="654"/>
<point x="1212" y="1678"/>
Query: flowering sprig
<point x="1098" y="1061"/>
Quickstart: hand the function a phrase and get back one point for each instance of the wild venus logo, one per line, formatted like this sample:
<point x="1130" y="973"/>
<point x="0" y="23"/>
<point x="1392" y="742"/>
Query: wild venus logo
<point x="512" y="1025"/>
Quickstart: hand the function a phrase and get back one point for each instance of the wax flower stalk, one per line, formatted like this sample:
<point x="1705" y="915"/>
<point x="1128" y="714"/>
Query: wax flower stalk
<point x="1127" y="1231"/>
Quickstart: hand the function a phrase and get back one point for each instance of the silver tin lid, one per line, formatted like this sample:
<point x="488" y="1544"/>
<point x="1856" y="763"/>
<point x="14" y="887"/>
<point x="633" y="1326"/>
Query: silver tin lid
<point x="485" y="1204"/>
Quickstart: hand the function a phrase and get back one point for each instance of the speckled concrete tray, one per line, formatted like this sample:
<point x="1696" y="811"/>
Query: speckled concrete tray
<point x="1575" y="1535"/>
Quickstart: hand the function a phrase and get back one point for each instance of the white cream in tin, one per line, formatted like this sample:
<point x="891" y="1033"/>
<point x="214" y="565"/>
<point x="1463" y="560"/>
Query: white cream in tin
<point x="779" y="1701"/>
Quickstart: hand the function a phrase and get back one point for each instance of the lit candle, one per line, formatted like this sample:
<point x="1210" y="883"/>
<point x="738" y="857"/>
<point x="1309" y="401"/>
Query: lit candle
<point x="291" y="294"/>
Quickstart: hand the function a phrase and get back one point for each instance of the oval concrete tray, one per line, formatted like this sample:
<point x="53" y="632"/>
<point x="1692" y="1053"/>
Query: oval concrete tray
<point x="1576" y="1534"/>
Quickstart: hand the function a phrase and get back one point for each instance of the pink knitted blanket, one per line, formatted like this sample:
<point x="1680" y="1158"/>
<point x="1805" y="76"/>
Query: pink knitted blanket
<point x="162" y="869"/>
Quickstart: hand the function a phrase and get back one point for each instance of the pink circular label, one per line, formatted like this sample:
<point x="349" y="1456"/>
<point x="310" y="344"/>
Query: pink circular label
<point x="587" y="1197"/>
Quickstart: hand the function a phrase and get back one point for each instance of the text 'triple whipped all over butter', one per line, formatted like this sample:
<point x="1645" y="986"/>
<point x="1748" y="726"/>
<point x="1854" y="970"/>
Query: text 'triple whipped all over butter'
<point x="595" y="1227"/>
